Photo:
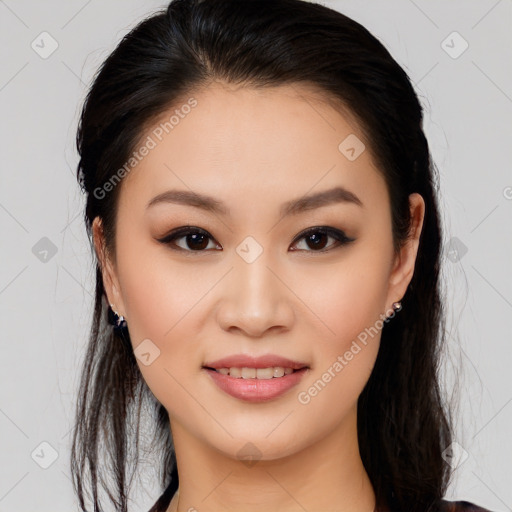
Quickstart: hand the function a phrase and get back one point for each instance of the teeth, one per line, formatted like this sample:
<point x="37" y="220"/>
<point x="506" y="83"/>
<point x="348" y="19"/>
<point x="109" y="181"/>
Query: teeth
<point x="248" y="373"/>
<point x="235" y="372"/>
<point x="278" y="371"/>
<point x="255" y="373"/>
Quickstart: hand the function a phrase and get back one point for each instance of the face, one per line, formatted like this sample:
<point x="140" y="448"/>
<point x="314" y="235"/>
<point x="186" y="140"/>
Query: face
<point x="253" y="276"/>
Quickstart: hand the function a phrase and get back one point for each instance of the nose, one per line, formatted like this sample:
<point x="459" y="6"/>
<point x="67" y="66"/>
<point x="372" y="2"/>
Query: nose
<point x="255" y="298"/>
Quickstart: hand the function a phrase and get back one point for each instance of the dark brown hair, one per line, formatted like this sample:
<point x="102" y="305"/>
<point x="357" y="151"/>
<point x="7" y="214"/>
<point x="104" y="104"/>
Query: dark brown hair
<point x="403" y="425"/>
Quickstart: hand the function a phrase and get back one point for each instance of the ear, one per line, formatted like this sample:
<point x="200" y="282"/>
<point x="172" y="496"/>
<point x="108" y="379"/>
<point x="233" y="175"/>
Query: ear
<point x="403" y="267"/>
<point x="110" y="280"/>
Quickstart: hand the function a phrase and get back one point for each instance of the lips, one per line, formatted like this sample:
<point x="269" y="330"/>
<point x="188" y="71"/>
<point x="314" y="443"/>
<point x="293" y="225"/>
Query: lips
<point x="256" y="389"/>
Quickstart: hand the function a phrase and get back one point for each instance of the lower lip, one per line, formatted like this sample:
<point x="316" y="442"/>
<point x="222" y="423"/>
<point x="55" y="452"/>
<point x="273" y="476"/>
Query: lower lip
<point x="256" y="390"/>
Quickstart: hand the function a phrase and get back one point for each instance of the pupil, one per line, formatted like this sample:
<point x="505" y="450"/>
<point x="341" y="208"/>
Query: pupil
<point x="316" y="238"/>
<point x="194" y="237"/>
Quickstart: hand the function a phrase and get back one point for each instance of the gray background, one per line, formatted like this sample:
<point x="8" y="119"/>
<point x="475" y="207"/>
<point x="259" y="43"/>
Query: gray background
<point x="46" y="297"/>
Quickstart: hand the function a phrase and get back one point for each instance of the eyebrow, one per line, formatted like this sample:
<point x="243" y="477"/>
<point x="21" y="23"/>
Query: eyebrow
<point x="293" y="207"/>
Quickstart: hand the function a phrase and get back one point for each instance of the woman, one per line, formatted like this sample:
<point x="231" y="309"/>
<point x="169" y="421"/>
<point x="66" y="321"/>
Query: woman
<point x="262" y="205"/>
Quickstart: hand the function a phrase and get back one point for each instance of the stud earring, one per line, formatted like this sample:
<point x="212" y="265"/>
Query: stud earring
<point x="397" y="306"/>
<point x="117" y="320"/>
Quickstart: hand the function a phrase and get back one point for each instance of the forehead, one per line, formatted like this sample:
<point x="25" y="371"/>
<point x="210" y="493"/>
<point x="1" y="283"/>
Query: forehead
<point x="249" y="140"/>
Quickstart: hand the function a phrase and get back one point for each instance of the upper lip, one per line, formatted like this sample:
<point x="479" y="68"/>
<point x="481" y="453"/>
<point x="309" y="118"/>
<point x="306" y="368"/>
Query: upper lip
<point x="247" y="361"/>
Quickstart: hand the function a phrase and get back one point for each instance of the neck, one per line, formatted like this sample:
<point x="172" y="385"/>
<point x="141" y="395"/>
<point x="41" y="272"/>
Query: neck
<point x="327" y="475"/>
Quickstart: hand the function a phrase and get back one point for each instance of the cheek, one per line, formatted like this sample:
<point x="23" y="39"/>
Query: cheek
<point x="160" y="294"/>
<point x="347" y="310"/>
<point x="346" y="299"/>
<point x="349" y="305"/>
<point x="164" y="306"/>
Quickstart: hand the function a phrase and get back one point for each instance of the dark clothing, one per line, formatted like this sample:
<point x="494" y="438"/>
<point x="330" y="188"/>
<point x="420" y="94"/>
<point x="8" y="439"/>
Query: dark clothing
<point x="462" y="506"/>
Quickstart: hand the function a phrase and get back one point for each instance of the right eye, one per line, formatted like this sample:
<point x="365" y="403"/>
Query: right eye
<point x="195" y="238"/>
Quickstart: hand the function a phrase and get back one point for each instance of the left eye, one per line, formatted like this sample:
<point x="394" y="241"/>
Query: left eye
<point x="197" y="239"/>
<point x="315" y="237"/>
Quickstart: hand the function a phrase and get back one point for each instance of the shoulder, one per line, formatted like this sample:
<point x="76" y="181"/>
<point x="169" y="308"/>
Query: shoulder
<point x="461" y="506"/>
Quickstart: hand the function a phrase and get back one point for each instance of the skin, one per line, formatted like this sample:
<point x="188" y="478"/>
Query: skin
<point x="254" y="150"/>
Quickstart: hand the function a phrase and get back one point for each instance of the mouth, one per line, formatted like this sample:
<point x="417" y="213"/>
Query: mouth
<point x="255" y="378"/>
<point x="271" y="372"/>
<point x="256" y="384"/>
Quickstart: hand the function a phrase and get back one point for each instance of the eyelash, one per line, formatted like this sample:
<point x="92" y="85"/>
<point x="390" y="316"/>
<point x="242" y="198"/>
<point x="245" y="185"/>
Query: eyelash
<point x="182" y="232"/>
